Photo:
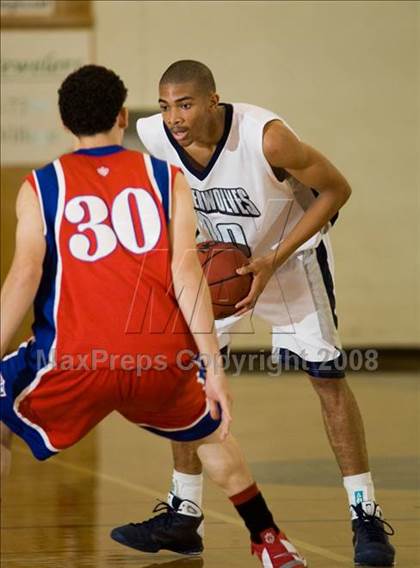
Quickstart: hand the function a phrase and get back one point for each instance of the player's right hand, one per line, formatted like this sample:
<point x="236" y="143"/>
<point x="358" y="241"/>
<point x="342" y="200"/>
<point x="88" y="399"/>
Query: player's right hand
<point x="220" y="400"/>
<point x="262" y="269"/>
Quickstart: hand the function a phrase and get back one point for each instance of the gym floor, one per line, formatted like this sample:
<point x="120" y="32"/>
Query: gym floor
<point x="58" y="514"/>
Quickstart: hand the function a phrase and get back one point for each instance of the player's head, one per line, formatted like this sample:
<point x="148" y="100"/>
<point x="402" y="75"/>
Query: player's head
<point x="188" y="99"/>
<point x="190" y="71"/>
<point x="91" y="100"/>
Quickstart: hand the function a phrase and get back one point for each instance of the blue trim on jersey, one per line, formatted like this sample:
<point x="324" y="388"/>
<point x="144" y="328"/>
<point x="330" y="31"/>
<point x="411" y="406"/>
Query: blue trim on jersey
<point x="322" y="257"/>
<point x="101" y="151"/>
<point x="18" y="372"/>
<point x="332" y="369"/>
<point x="202" y="429"/>
<point x="161" y="173"/>
<point x="44" y="326"/>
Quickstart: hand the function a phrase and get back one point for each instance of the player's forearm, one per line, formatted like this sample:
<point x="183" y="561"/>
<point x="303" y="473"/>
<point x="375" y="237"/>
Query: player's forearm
<point x="193" y="297"/>
<point x="17" y="296"/>
<point x="314" y="219"/>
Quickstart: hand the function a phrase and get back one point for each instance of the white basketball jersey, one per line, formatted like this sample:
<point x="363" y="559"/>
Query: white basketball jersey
<point x="237" y="197"/>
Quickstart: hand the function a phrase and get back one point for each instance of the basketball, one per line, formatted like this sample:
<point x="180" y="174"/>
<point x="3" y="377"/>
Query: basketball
<point x="219" y="262"/>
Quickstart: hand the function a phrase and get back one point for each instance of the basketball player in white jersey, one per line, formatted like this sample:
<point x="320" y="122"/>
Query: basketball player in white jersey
<point x="254" y="182"/>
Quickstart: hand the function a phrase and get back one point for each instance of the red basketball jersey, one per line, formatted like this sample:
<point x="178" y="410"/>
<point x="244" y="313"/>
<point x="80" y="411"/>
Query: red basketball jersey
<point x="106" y="296"/>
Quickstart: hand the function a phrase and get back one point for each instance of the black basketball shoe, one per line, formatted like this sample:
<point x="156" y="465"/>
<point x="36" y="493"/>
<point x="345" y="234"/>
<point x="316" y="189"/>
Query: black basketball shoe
<point x="174" y="529"/>
<point x="370" y="538"/>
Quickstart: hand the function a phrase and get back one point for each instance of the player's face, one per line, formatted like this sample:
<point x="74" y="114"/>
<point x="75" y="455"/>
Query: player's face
<point x="186" y="111"/>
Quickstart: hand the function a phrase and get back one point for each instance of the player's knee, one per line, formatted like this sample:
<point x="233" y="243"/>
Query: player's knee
<point x="330" y="390"/>
<point x="222" y="460"/>
<point x="226" y="471"/>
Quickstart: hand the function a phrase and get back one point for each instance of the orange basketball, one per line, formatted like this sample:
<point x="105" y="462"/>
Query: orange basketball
<point x="219" y="262"/>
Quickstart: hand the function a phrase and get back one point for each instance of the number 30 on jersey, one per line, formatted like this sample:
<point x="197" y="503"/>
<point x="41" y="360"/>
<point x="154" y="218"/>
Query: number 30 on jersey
<point x="134" y="223"/>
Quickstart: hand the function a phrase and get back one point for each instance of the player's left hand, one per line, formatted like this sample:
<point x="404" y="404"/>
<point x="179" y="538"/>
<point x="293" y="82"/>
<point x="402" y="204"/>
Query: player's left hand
<point x="262" y="269"/>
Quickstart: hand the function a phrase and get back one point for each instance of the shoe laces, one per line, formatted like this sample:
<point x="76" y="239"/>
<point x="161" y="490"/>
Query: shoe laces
<point x="165" y="517"/>
<point x="372" y="523"/>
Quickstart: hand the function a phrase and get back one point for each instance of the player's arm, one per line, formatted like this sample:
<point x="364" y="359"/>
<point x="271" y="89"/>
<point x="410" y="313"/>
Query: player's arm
<point x="283" y="149"/>
<point x="193" y="297"/>
<point x="23" y="278"/>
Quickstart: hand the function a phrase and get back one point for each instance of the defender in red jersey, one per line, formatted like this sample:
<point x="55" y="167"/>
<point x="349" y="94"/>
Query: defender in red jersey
<point x="105" y="252"/>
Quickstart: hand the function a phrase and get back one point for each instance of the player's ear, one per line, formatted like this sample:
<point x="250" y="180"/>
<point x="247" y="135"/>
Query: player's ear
<point x="214" y="100"/>
<point x="122" y="119"/>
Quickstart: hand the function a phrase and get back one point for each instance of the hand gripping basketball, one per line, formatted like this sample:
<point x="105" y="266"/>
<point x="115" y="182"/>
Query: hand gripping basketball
<point x="220" y="262"/>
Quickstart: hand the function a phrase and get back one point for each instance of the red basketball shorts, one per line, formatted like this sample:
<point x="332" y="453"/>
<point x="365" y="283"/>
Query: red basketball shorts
<point x="53" y="409"/>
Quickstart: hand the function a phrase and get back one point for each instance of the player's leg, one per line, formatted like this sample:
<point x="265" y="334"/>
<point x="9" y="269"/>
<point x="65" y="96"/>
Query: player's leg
<point x="345" y="431"/>
<point x="9" y="367"/>
<point x="314" y="343"/>
<point x="344" y="427"/>
<point x="5" y="449"/>
<point x="187" y="485"/>
<point x="224" y="463"/>
<point x="179" y="526"/>
<point x="185" y="458"/>
<point x="187" y="476"/>
<point x="188" y="419"/>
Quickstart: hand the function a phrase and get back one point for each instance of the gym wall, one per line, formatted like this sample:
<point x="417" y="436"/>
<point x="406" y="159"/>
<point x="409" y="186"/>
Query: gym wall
<point x="345" y="75"/>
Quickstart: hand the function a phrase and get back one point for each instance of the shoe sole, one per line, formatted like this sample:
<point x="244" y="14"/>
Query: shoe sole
<point x="121" y="540"/>
<point x="379" y="564"/>
<point x="291" y="564"/>
<point x="373" y="562"/>
<point x="375" y="555"/>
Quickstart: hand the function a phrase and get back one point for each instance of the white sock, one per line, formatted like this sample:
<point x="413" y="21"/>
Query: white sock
<point x="187" y="486"/>
<point x="359" y="489"/>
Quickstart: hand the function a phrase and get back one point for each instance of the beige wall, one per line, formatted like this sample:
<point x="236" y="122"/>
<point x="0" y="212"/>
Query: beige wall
<point x="345" y="75"/>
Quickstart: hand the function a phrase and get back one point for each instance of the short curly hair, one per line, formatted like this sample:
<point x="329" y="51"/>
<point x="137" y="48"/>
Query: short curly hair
<point x="90" y="99"/>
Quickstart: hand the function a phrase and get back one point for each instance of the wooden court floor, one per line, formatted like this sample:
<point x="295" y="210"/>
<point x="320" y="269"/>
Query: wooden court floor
<point x="59" y="514"/>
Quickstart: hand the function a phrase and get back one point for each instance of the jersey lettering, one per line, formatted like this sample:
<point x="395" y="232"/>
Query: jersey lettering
<point x="226" y="232"/>
<point x="136" y="224"/>
<point x="227" y="200"/>
<point x="99" y="240"/>
<point x="136" y="202"/>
